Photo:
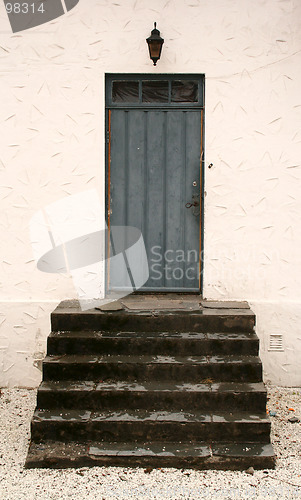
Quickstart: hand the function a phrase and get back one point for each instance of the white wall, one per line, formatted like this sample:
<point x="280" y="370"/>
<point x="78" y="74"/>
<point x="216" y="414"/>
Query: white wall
<point x="52" y="145"/>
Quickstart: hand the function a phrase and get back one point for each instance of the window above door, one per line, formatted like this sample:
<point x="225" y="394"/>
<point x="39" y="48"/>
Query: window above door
<point x="174" y="90"/>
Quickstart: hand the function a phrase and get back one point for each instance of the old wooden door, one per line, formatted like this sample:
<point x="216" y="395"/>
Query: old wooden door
<point x="154" y="171"/>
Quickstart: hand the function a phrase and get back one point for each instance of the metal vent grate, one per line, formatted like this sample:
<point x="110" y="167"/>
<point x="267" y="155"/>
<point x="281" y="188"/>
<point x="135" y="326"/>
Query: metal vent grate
<point x="276" y="343"/>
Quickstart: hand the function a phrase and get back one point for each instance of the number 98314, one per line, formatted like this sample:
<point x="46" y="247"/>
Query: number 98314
<point x="24" y="8"/>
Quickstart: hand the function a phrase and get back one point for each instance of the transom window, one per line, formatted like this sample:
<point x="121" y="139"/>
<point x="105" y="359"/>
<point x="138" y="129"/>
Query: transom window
<point x="175" y="90"/>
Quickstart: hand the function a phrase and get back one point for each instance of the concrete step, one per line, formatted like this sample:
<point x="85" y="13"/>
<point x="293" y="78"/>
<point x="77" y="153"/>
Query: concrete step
<point x="145" y="425"/>
<point x="133" y="368"/>
<point x="151" y="343"/>
<point x="201" y="456"/>
<point x="155" y="395"/>
<point x="72" y="318"/>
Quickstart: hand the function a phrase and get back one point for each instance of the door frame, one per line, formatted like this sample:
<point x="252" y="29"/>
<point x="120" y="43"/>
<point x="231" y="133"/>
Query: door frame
<point x="109" y="105"/>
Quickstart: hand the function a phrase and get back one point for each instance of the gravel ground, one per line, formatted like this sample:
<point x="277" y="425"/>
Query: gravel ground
<point x="16" y="409"/>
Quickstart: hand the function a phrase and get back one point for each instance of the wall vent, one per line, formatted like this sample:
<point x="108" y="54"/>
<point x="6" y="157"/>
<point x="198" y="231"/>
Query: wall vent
<point x="276" y="343"/>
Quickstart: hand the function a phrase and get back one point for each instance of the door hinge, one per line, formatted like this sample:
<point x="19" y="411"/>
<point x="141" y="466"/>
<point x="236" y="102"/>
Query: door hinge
<point x="108" y="136"/>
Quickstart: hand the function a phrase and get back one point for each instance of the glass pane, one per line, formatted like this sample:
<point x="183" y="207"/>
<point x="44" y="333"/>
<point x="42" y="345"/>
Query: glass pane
<point x="155" y="91"/>
<point x="185" y="91"/>
<point x="125" y="92"/>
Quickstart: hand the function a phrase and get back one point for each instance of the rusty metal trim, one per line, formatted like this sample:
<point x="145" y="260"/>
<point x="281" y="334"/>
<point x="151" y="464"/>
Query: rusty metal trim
<point x="109" y="200"/>
<point x="201" y="201"/>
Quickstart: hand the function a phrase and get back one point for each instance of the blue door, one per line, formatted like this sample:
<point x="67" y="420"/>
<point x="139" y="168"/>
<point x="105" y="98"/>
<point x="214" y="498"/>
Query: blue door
<point x="155" y="125"/>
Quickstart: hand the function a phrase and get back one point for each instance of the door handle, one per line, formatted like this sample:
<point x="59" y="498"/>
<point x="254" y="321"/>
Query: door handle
<point x="195" y="202"/>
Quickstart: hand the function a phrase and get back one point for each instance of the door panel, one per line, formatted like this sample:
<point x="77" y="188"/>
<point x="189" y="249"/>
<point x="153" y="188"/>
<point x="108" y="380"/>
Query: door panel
<point x="154" y="161"/>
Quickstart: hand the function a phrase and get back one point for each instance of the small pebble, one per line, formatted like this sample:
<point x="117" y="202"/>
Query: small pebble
<point x="293" y="420"/>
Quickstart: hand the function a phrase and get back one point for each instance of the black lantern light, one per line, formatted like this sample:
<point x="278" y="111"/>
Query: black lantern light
<point x="155" y="43"/>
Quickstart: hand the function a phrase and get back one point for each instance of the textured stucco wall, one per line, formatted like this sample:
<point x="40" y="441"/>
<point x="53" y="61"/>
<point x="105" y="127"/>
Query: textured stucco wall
<point x="52" y="145"/>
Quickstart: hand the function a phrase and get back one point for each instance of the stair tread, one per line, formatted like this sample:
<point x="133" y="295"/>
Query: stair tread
<point x="155" y="448"/>
<point x="154" y="335"/>
<point x="156" y="386"/>
<point x="130" y="415"/>
<point x="201" y="455"/>
<point x="76" y="310"/>
<point x="150" y="359"/>
<point x="71" y="317"/>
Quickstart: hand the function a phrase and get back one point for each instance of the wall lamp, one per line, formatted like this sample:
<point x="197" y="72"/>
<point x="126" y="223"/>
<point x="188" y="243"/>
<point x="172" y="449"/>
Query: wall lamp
<point x="155" y="43"/>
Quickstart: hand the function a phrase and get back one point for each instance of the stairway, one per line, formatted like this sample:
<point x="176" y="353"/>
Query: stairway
<point x="157" y="388"/>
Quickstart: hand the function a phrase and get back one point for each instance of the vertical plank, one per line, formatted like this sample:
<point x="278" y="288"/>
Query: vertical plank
<point x="119" y="193"/>
<point x="175" y="199"/>
<point x="192" y="222"/>
<point x="135" y="177"/>
<point x="155" y="195"/>
<point x="118" y="167"/>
